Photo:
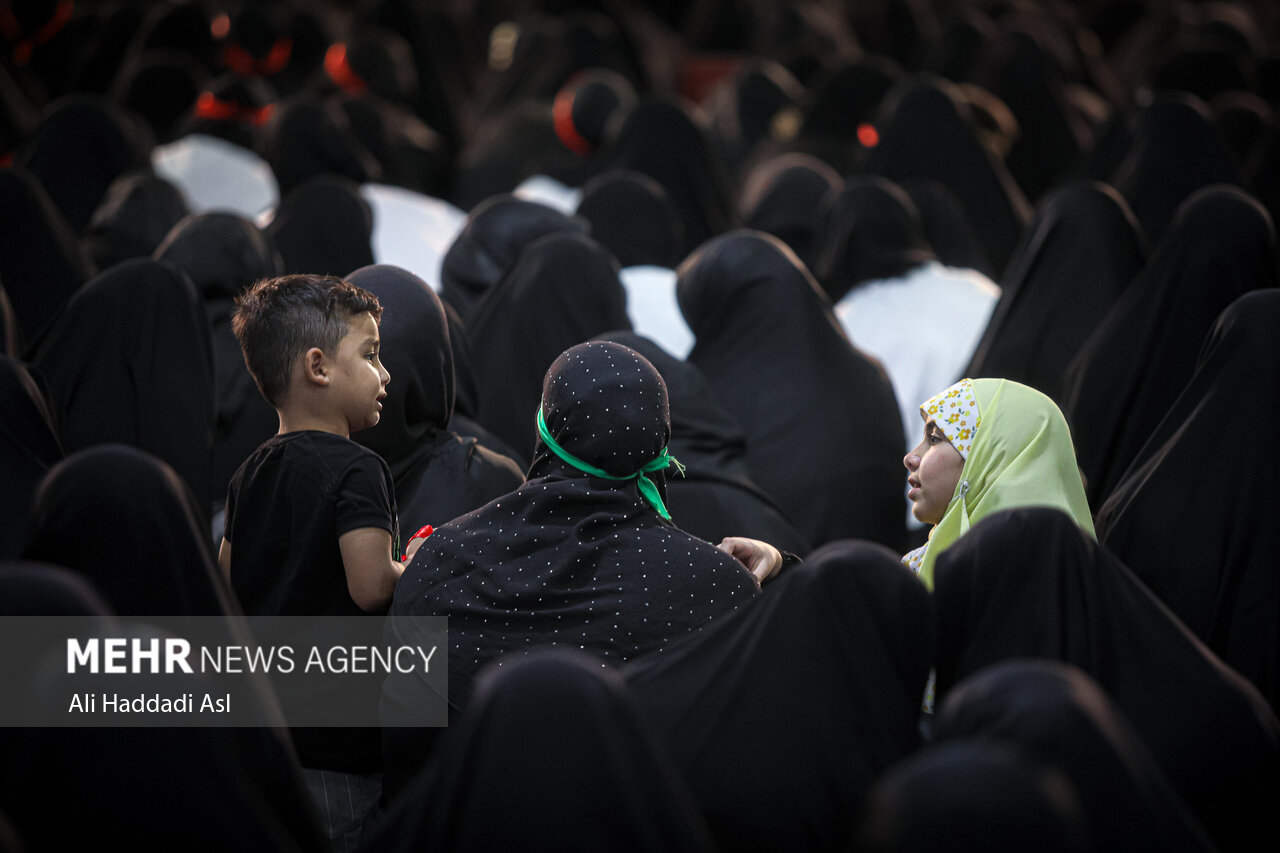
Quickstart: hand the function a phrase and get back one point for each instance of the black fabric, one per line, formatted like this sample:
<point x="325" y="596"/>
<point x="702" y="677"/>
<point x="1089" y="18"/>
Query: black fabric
<point x="632" y="216"/>
<point x="382" y="61"/>
<point x="224" y="254"/>
<point x="1029" y="583"/>
<point x="947" y="227"/>
<point x="440" y="56"/>
<point x="1201" y="68"/>
<point x="249" y="775"/>
<point x="554" y="744"/>
<point x="719" y="25"/>
<point x="181" y="774"/>
<point x="745" y="108"/>
<point x="799" y="700"/>
<point x="1173" y="150"/>
<point x="1244" y="119"/>
<point x="129" y="361"/>
<point x="1028" y="67"/>
<point x="507" y="147"/>
<point x="287" y="506"/>
<point x="848" y="96"/>
<point x="1075" y="258"/>
<point x="121" y="518"/>
<point x="551" y="48"/>
<point x="497" y="231"/>
<point x="438" y="474"/>
<point x="824" y="437"/>
<point x="136" y="213"/>
<point x="118" y="29"/>
<point x="716" y="496"/>
<point x="466" y="395"/>
<point x="30" y="588"/>
<point x="18" y="109"/>
<point x="570" y="559"/>
<point x="260" y="27"/>
<point x="324" y="227"/>
<point x="1059" y="716"/>
<point x="1190" y="516"/>
<point x="41" y="261"/>
<point x="562" y="291"/>
<point x="29" y="446"/>
<point x="409" y="154"/>
<point x="926" y="132"/>
<point x="595" y="96"/>
<point x="1233" y="27"/>
<point x="10" y="334"/>
<point x="807" y="40"/>
<point x="1132" y="367"/>
<point x="659" y="138"/>
<point x="161" y="87"/>
<point x="305" y="139"/>
<point x="181" y="26"/>
<point x="468" y="427"/>
<point x="900" y="29"/>
<point x="972" y="796"/>
<point x="250" y="98"/>
<point x="125" y="521"/>
<point x="781" y="196"/>
<point x="1263" y="169"/>
<point x="841" y="100"/>
<point x="81" y="145"/>
<point x="209" y="789"/>
<point x="867" y="230"/>
<point x="55" y="54"/>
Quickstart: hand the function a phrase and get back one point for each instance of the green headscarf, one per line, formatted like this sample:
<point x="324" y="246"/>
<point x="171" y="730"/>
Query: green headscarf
<point x="647" y="489"/>
<point x="1021" y="455"/>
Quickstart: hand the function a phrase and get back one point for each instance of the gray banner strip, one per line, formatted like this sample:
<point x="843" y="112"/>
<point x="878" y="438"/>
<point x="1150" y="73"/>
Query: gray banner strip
<point x="69" y="671"/>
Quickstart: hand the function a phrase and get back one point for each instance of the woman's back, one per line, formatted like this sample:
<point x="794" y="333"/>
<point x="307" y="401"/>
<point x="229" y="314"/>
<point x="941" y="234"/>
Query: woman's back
<point x="822" y="424"/>
<point x="570" y="559"/>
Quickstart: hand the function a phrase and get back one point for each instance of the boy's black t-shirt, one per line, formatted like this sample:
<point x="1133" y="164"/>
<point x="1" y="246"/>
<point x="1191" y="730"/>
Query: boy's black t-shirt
<point x="286" y="507"/>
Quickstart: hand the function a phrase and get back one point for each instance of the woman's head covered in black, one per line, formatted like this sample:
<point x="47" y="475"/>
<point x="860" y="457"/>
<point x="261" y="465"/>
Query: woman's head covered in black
<point x="607" y="405"/>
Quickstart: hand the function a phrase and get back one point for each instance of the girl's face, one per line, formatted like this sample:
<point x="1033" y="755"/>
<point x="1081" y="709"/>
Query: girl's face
<point x="933" y="467"/>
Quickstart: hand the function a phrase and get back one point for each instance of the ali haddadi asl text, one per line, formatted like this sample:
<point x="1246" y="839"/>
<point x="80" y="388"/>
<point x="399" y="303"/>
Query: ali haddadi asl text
<point x="154" y="703"/>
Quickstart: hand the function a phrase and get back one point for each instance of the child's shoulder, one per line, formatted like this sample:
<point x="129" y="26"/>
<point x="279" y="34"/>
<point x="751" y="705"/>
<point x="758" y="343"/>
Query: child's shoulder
<point x="314" y="441"/>
<point x="313" y="448"/>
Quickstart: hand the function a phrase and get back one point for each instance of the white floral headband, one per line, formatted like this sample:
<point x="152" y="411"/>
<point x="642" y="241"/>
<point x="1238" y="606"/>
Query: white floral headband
<point x="955" y="411"/>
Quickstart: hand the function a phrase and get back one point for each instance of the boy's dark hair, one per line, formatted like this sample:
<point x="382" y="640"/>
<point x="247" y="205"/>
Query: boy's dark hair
<point x="278" y="319"/>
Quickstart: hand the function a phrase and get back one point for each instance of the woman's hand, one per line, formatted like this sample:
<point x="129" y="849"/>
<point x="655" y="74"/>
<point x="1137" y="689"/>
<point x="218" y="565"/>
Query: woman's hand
<point x="761" y="559"/>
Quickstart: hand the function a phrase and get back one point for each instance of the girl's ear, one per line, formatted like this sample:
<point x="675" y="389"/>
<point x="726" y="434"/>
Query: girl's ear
<point x="314" y="367"/>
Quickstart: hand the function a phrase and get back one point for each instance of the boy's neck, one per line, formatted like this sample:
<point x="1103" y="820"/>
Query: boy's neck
<point x="295" y="421"/>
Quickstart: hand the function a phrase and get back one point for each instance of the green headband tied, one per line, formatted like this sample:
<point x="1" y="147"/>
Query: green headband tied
<point x="646" y="486"/>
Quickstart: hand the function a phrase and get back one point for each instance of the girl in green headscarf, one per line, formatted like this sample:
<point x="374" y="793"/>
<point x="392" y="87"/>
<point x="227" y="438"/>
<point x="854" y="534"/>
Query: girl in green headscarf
<point x="989" y="444"/>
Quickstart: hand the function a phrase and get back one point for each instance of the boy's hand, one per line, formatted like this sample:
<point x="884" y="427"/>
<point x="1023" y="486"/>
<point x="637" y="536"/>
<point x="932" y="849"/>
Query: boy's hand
<point x="415" y="542"/>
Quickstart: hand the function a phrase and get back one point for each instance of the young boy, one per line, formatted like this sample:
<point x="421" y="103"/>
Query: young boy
<point x="311" y="513"/>
<point x="311" y="517"/>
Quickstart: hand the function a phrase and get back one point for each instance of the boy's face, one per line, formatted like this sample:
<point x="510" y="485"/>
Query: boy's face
<point x="358" y="380"/>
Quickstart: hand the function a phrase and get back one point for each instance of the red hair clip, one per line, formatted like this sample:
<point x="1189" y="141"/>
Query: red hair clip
<point x="208" y="106"/>
<point x="245" y="64"/>
<point x="565" y="129"/>
<point x="423" y="532"/>
<point x="340" y="70"/>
